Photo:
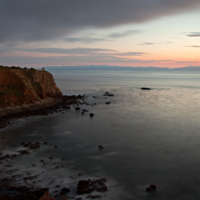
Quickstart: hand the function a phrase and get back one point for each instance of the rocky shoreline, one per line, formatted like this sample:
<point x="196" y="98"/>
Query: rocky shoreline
<point x="42" y="107"/>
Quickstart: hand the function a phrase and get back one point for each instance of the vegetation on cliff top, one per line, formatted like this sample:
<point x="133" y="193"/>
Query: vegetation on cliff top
<point x="14" y="67"/>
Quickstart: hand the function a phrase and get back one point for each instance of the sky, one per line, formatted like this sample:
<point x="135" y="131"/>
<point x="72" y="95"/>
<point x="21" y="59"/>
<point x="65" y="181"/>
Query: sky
<point x="131" y="33"/>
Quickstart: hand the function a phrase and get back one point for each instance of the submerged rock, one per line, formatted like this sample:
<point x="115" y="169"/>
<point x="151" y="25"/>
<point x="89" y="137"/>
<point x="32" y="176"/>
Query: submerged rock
<point x="108" y="94"/>
<point x="101" y="147"/>
<point x="88" y="186"/>
<point x="145" y="88"/>
<point x="151" y="188"/>
<point x="91" y="115"/>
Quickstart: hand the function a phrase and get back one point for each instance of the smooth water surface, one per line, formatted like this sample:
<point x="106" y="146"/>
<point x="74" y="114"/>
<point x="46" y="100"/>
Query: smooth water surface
<point x="149" y="137"/>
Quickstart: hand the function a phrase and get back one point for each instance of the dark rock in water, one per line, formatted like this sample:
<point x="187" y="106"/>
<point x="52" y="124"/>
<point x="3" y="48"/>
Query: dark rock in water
<point x="24" y="152"/>
<point x="64" y="190"/>
<point x="45" y="142"/>
<point x="67" y="107"/>
<point x="107" y="103"/>
<point x="55" y="146"/>
<point x="51" y="158"/>
<point x="82" y="113"/>
<point x="151" y="188"/>
<point x="31" y="145"/>
<point x="108" y="94"/>
<point x="94" y="196"/>
<point x="101" y="147"/>
<point x="88" y="186"/>
<point x="91" y="115"/>
<point x="77" y="108"/>
<point x="85" y="110"/>
<point x="145" y="88"/>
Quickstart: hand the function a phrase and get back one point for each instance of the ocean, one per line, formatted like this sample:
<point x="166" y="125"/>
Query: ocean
<point x="149" y="136"/>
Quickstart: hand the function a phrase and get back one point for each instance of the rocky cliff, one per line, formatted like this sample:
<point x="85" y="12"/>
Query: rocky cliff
<point x="24" y="86"/>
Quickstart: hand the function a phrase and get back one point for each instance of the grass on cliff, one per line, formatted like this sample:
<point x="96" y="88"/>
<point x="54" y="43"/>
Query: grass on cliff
<point x="11" y="90"/>
<point x="14" y="67"/>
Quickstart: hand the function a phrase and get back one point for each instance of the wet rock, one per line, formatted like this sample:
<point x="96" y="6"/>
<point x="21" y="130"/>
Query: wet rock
<point x="85" y="110"/>
<point x="107" y="103"/>
<point x="41" y="160"/>
<point x="77" y="108"/>
<point x="51" y="158"/>
<point x="24" y="152"/>
<point x="66" y="107"/>
<point x="31" y="145"/>
<point x="55" y="146"/>
<point x="91" y="115"/>
<point x="65" y="190"/>
<point x="46" y="196"/>
<point x="145" y="88"/>
<point x="151" y="188"/>
<point x="45" y="142"/>
<point x="108" y="94"/>
<point x="62" y="159"/>
<point x="82" y="113"/>
<point x="88" y="186"/>
<point x="101" y="147"/>
<point x="94" y="196"/>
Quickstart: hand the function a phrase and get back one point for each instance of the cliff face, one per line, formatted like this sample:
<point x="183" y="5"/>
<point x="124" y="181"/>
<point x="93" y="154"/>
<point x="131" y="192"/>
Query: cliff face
<point x="20" y="86"/>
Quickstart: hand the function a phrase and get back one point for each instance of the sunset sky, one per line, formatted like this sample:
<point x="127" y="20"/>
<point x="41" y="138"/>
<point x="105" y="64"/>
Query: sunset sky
<point x="160" y="33"/>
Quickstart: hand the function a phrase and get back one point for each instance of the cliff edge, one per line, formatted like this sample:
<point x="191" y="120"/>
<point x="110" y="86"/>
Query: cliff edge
<point x="24" y="86"/>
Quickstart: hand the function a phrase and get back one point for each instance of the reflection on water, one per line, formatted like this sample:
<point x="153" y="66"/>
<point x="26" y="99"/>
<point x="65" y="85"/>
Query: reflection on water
<point x="149" y="137"/>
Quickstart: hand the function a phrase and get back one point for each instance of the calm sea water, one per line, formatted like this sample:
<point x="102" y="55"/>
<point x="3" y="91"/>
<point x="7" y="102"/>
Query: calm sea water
<point x="149" y="137"/>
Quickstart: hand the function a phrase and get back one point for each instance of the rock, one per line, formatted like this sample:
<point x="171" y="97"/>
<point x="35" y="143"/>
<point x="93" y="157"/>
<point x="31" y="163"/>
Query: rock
<point x="51" y="158"/>
<point x="45" y="142"/>
<point x="151" y="188"/>
<point x="101" y="147"/>
<point x="64" y="190"/>
<point x="82" y="113"/>
<point x="94" y="196"/>
<point x="41" y="160"/>
<point x="55" y="146"/>
<point x="108" y="94"/>
<point x="107" y="103"/>
<point x="91" y="115"/>
<point x="31" y="145"/>
<point x="77" y="108"/>
<point x="88" y="186"/>
<point x="85" y="110"/>
<point x="24" y="152"/>
<point x="47" y="196"/>
<point x="145" y="88"/>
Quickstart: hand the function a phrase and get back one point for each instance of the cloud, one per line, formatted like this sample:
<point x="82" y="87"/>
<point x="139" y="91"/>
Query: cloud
<point x="187" y="62"/>
<point x="195" y="46"/>
<point x="148" y="43"/>
<point x="40" y="20"/>
<point x="83" y="39"/>
<point x="126" y="33"/>
<point x="83" y="51"/>
<point x="194" y="34"/>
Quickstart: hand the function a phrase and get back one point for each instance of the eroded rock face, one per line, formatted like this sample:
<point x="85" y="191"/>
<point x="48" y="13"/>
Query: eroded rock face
<point x="88" y="186"/>
<point x="18" y="86"/>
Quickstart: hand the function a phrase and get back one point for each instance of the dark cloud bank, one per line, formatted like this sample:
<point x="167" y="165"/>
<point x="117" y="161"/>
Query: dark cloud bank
<point x="23" y="20"/>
